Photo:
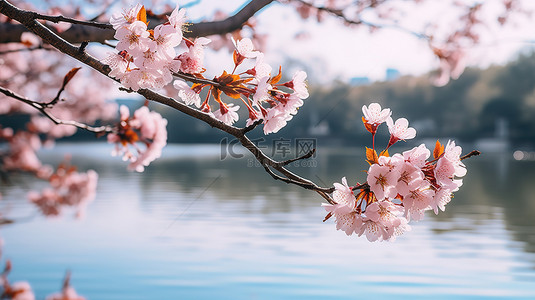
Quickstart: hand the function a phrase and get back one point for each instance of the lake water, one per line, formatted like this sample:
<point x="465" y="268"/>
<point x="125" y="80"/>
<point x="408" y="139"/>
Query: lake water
<point x="194" y="226"/>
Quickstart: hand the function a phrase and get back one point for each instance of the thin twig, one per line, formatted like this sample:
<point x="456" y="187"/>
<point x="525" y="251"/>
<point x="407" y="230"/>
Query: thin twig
<point x="340" y="14"/>
<point x="57" y="19"/>
<point x="23" y="49"/>
<point x="309" y="154"/>
<point x="363" y="186"/>
<point x="252" y="126"/>
<point x="41" y="107"/>
<point x="194" y="79"/>
<point x="472" y="153"/>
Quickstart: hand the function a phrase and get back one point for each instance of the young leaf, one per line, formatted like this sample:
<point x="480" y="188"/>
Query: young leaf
<point x="369" y="127"/>
<point x="371" y="156"/>
<point x="277" y="78"/>
<point x="142" y="15"/>
<point x="69" y="76"/>
<point x="439" y="150"/>
<point x="384" y="153"/>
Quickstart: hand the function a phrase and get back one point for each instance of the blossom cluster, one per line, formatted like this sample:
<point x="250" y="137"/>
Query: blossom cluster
<point x="267" y="101"/>
<point x="146" y="132"/>
<point x="147" y="58"/>
<point x="22" y="290"/>
<point x="67" y="188"/>
<point x="398" y="188"/>
<point x="23" y="72"/>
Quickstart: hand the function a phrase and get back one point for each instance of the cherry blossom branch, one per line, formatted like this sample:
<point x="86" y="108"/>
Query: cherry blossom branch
<point x="196" y="79"/>
<point x="27" y="19"/>
<point x="82" y="31"/>
<point x="252" y="126"/>
<point x="41" y="107"/>
<point x="339" y="13"/>
<point x="231" y="23"/>
<point x="60" y="18"/>
<point x="472" y="153"/>
<point x="23" y="49"/>
<point x="305" y="156"/>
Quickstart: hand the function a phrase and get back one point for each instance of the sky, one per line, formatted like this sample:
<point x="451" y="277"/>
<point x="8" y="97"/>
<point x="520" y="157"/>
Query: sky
<point x="333" y="51"/>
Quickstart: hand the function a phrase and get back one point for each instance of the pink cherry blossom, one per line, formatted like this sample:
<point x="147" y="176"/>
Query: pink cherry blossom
<point x="417" y="156"/>
<point x="262" y="90"/>
<point x="192" y="61"/>
<point x="153" y="130"/>
<point x="374" y="115"/>
<point x="245" y="48"/>
<point x="394" y="162"/>
<point x="400" y="228"/>
<point x="185" y="93"/>
<point x="67" y="293"/>
<point x="419" y="199"/>
<point x="344" y="198"/>
<point x="68" y="188"/>
<point x="408" y="175"/>
<point x="441" y="198"/>
<point x="349" y="223"/>
<point x="299" y="84"/>
<point x="383" y="221"/>
<point x="383" y="212"/>
<point x="22" y="156"/>
<point x="133" y="38"/>
<point x="119" y="20"/>
<point x="146" y="128"/>
<point x="373" y="230"/>
<point x="227" y="114"/>
<point x="261" y="69"/>
<point x="118" y="63"/>
<point x="453" y="154"/>
<point x="290" y="105"/>
<point x="20" y="291"/>
<point x="29" y="39"/>
<point x="151" y="60"/>
<point x="274" y="120"/>
<point x="382" y="181"/>
<point x="449" y="167"/>
<point x="167" y="38"/>
<point x="178" y="18"/>
<point x="143" y="79"/>
<point x="253" y="116"/>
<point x="399" y="130"/>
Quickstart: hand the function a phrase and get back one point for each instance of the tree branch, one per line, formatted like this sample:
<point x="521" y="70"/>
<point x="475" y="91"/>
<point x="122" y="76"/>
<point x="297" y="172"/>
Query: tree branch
<point x="472" y="153"/>
<point x="57" y="19"/>
<point x="359" y="21"/>
<point x="230" y="24"/>
<point x="82" y="31"/>
<point x="305" y="156"/>
<point x="26" y="18"/>
<point x="41" y="107"/>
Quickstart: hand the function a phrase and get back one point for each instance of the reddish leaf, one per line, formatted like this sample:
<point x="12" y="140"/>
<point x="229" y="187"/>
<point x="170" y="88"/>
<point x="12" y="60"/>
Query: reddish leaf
<point x="69" y="76"/>
<point x="368" y="127"/>
<point x="328" y="216"/>
<point x="142" y="15"/>
<point x="384" y="153"/>
<point x="277" y="78"/>
<point x="232" y="93"/>
<point x="217" y="94"/>
<point x="228" y="79"/>
<point x="371" y="156"/>
<point x="439" y="150"/>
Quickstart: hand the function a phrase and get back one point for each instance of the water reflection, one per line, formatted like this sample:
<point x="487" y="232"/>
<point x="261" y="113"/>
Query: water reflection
<point x="195" y="227"/>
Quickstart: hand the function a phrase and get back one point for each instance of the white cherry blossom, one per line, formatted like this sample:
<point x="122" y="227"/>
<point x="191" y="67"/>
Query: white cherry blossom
<point x="374" y="115"/>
